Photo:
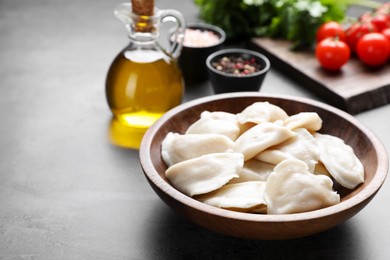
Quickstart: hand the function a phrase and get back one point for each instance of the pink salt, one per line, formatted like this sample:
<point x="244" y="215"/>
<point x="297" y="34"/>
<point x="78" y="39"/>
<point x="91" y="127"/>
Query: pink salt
<point x="199" y="38"/>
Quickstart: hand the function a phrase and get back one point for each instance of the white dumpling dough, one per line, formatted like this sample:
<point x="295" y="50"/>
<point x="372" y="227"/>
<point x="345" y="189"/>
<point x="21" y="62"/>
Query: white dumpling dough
<point x="244" y="197"/>
<point x="340" y="160"/>
<point x="254" y="170"/>
<point x="309" y="120"/>
<point x="260" y="112"/>
<point x="177" y="148"/>
<point x="291" y="188"/>
<point x="217" y="122"/>
<point x="260" y="137"/>
<point x="205" y="173"/>
<point x="302" y="146"/>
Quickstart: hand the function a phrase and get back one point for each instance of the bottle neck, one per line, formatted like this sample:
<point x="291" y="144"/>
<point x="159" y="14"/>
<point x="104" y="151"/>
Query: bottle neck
<point x="143" y="38"/>
<point x="143" y="29"/>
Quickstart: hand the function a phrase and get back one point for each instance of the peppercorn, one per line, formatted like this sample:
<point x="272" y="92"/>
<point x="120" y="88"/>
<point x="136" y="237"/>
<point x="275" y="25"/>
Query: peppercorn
<point x="237" y="65"/>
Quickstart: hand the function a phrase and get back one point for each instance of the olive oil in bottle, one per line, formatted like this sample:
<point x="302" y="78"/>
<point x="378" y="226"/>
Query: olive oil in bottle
<point x="142" y="85"/>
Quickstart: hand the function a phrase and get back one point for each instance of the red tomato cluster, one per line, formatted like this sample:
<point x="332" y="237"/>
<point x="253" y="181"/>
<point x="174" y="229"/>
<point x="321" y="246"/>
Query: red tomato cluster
<point x="368" y="38"/>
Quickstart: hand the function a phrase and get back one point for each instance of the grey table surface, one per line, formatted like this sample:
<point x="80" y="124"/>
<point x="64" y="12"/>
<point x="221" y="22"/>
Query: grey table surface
<point x="67" y="192"/>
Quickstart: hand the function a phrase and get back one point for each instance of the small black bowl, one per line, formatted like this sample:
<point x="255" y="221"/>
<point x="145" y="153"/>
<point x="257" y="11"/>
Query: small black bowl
<point x="224" y="82"/>
<point x="192" y="59"/>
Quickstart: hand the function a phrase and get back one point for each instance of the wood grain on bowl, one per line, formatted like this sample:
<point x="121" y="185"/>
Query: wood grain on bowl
<point x="256" y="226"/>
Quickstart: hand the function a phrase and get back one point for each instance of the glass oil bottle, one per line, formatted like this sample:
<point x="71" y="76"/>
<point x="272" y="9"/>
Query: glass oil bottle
<point x="144" y="80"/>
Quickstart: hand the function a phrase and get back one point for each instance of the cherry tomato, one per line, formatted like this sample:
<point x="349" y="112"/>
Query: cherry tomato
<point x="381" y="21"/>
<point x="332" y="53"/>
<point x="356" y="31"/>
<point x="366" y="17"/>
<point x="386" y="32"/>
<point x="373" y="49"/>
<point x="330" y="29"/>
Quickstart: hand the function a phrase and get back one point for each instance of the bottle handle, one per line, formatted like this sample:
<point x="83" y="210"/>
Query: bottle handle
<point x="176" y="34"/>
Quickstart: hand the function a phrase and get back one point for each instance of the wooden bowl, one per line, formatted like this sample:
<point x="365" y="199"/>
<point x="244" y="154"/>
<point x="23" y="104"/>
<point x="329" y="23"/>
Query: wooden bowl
<point x="256" y="226"/>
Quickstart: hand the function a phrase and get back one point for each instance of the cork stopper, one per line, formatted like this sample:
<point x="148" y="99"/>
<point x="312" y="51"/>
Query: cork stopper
<point x="143" y="7"/>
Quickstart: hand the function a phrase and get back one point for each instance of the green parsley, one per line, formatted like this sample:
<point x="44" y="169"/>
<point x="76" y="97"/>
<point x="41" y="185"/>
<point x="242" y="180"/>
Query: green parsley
<point x="293" y="20"/>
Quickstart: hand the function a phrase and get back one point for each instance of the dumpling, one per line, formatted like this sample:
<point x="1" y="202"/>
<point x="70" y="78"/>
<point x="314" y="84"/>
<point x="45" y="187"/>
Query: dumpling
<point x="302" y="146"/>
<point x="291" y="188"/>
<point x="217" y="122"/>
<point x="340" y="160"/>
<point x="205" y="173"/>
<point x="176" y="148"/>
<point x="309" y="120"/>
<point x="254" y="170"/>
<point x="260" y="112"/>
<point x="260" y="137"/>
<point x="243" y="197"/>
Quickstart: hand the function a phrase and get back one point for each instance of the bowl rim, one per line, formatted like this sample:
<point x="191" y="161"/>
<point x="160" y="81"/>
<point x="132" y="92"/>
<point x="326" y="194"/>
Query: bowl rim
<point x="240" y="51"/>
<point x="371" y="189"/>
<point x="218" y="30"/>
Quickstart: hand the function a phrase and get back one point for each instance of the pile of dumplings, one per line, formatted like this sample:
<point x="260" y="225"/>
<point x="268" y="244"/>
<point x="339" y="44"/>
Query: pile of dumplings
<point x="260" y="160"/>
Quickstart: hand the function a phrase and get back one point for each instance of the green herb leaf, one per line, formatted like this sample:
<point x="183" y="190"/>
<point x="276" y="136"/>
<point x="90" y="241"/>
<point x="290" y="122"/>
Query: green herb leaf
<point x="294" y="20"/>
